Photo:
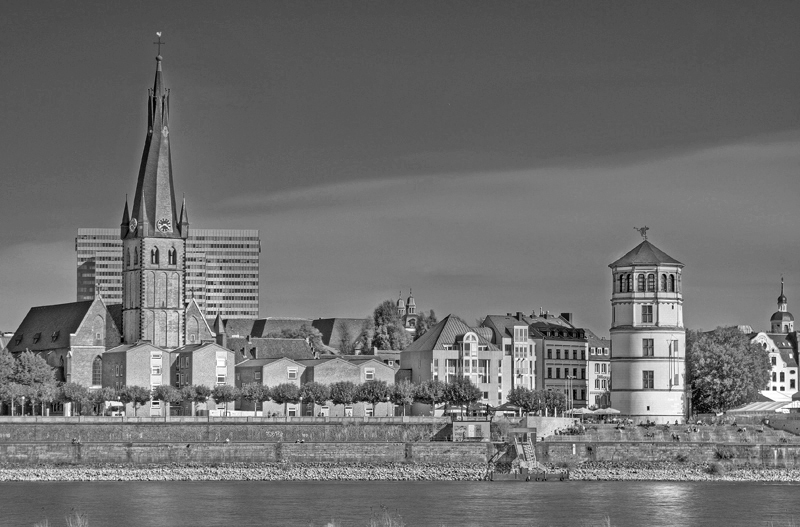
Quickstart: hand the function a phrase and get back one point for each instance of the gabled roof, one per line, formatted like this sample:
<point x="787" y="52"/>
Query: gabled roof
<point x="261" y="327"/>
<point x="48" y="321"/>
<point x="190" y="348"/>
<point x="269" y="348"/>
<point x="444" y="333"/>
<point x="645" y="254"/>
<point x="263" y="362"/>
<point x="332" y="328"/>
<point x="141" y="346"/>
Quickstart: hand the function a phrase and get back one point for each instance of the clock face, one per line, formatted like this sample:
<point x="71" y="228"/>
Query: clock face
<point x="133" y="224"/>
<point x="164" y="225"/>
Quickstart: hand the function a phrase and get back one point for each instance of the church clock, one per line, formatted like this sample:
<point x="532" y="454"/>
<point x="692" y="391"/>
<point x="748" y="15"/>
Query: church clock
<point x="164" y="225"/>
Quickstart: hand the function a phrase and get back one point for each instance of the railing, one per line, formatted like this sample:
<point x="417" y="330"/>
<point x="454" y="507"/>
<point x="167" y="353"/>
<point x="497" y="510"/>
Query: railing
<point x="228" y="419"/>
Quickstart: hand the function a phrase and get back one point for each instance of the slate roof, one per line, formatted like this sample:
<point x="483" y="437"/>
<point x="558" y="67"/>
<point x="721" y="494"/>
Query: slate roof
<point x="446" y="332"/>
<point x="46" y="321"/>
<point x="260" y="327"/>
<point x="269" y="348"/>
<point x="331" y="329"/>
<point x="645" y="254"/>
<point x="257" y="362"/>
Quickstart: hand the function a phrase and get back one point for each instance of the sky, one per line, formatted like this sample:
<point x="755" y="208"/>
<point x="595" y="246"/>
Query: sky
<point x="493" y="156"/>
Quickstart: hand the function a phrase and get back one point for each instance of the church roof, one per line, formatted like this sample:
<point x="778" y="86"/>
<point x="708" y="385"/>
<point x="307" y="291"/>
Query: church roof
<point x="270" y="348"/>
<point x="783" y="316"/>
<point x="333" y="329"/>
<point x="645" y="254"/>
<point x="154" y="202"/>
<point x="49" y="327"/>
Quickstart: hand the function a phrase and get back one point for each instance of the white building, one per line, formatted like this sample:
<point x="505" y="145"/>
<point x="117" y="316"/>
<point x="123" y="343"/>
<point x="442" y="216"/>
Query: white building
<point x="648" y="336"/>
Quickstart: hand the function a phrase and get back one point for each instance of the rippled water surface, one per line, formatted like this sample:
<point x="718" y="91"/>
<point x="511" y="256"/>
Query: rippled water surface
<point x="139" y="504"/>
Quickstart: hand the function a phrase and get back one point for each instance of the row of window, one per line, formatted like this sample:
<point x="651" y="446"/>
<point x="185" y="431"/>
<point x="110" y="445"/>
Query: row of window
<point x="172" y="256"/>
<point x="566" y="373"/>
<point x="667" y="283"/>
<point x="566" y="354"/>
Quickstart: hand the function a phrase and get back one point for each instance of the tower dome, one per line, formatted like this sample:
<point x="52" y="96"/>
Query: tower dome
<point x="782" y="321"/>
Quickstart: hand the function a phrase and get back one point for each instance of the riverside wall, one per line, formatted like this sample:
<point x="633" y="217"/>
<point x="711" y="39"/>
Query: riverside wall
<point x="226" y="453"/>
<point x="768" y="455"/>
<point x="214" y="431"/>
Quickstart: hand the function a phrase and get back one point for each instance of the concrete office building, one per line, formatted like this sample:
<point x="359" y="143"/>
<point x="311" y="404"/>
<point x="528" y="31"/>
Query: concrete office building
<point x="222" y="269"/>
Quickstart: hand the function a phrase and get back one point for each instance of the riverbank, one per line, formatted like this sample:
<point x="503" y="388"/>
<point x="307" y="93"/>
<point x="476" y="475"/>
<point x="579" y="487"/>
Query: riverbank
<point x="249" y="472"/>
<point x="676" y="471"/>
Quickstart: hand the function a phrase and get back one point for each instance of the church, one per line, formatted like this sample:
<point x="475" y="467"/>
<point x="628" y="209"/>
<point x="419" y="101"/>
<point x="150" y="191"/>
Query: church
<point x="140" y="341"/>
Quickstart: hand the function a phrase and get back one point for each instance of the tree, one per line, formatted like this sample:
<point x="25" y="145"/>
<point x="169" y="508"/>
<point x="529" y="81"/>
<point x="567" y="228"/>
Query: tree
<point x="285" y="394"/>
<point x="343" y="392"/>
<point x="724" y="369"/>
<point x="402" y="393"/>
<point x="390" y="334"/>
<point x="364" y="339"/>
<point x="461" y="392"/>
<point x="32" y="369"/>
<point x="255" y="392"/>
<point x="201" y="395"/>
<point x="12" y="392"/>
<point x="135" y="395"/>
<point x="45" y="394"/>
<point x="424" y="323"/>
<point x="347" y="341"/>
<point x="74" y="393"/>
<point x="524" y="398"/>
<point x="168" y="395"/>
<point x="101" y="396"/>
<point x="224" y="393"/>
<point x="552" y="401"/>
<point x="306" y="331"/>
<point x="314" y="393"/>
<point x="429" y="392"/>
<point x="373" y="392"/>
<point x="189" y="393"/>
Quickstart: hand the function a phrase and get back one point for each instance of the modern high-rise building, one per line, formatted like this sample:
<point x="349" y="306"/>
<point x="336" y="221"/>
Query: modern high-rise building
<point x="222" y="269"/>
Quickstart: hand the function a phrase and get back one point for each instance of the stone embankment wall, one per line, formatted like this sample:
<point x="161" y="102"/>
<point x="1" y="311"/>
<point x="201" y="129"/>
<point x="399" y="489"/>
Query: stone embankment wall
<point x="760" y="454"/>
<point x="213" y="453"/>
<point x="214" y="432"/>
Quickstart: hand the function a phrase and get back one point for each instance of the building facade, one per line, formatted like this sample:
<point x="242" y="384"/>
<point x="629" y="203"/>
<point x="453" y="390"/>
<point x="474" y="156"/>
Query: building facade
<point x="221" y="269"/>
<point x="598" y="371"/>
<point x="781" y="344"/>
<point x="511" y="334"/>
<point x="648" y="336"/>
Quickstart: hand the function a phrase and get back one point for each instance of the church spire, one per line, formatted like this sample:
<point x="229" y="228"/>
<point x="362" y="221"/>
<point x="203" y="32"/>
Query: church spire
<point x="782" y="302"/>
<point x="184" y="224"/>
<point x="154" y="203"/>
<point x="123" y="226"/>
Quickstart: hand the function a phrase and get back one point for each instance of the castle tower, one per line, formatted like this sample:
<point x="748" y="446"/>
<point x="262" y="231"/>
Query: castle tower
<point x="782" y="321"/>
<point x="647" y="335"/>
<point x="154" y="238"/>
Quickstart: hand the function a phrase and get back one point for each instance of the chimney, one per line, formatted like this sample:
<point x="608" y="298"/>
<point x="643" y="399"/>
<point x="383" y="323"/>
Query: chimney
<point x="509" y="314"/>
<point x="567" y="317"/>
<point x="519" y="315"/>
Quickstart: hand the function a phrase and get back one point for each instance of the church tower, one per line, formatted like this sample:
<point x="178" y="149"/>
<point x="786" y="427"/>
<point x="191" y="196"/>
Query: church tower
<point x="782" y="321"/>
<point x="154" y="238"/>
<point x="647" y="335"/>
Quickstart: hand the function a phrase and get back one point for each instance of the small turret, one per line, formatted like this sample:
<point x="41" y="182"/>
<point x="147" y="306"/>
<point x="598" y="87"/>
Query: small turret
<point x="184" y="221"/>
<point x="411" y="305"/>
<point x="126" y="219"/>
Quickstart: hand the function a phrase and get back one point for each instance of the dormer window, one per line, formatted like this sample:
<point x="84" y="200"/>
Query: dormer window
<point x="36" y="337"/>
<point x="54" y="336"/>
<point x="18" y="339"/>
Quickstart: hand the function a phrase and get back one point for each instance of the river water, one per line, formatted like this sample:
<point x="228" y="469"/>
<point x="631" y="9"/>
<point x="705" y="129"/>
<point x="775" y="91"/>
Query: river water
<point x="243" y="503"/>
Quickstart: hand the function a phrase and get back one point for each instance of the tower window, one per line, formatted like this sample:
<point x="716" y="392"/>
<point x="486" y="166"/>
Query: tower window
<point x="97" y="371"/>
<point x="648" y="347"/>
<point x="647" y="380"/>
<point x="172" y="255"/>
<point x="621" y="283"/>
<point x="136" y="257"/>
<point x="663" y="282"/>
<point x="630" y="283"/>
<point x="154" y="255"/>
<point x="640" y="283"/>
<point x="672" y="283"/>
<point x="647" y="314"/>
<point x="128" y="258"/>
<point x="651" y="282"/>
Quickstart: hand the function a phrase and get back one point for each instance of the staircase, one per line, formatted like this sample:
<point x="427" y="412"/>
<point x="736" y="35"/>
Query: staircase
<point x="526" y="452"/>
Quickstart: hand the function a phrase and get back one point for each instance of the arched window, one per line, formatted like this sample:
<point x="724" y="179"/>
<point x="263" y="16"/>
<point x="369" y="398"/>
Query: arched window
<point x="154" y="255"/>
<point x="651" y="282"/>
<point x="672" y="283"/>
<point x="640" y="283"/>
<point x="663" y="282"/>
<point x="621" y="280"/>
<point x="128" y="258"/>
<point x="630" y="283"/>
<point x="97" y="371"/>
<point x="136" y="256"/>
<point x="172" y="256"/>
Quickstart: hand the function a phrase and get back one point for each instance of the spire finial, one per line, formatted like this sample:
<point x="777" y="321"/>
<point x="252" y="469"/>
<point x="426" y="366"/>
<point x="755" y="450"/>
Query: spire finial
<point x="643" y="231"/>
<point x="159" y="43"/>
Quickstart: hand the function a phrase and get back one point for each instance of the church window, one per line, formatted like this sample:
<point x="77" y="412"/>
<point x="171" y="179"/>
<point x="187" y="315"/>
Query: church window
<point x="630" y="283"/>
<point x="97" y="371"/>
<point x="128" y="258"/>
<point x="172" y="256"/>
<point x="640" y="283"/>
<point x="136" y="257"/>
<point x="663" y="282"/>
<point x="651" y="282"/>
<point x="672" y="283"/>
<point x="154" y="255"/>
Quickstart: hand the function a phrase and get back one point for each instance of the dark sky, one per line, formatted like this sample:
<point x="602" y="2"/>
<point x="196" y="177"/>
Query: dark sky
<point x="495" y="156"/>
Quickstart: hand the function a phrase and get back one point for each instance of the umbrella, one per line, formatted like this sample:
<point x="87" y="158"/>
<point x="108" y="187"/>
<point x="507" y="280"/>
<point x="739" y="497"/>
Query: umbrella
<point x="580" y="411"/>
<point x="606" y="411"/>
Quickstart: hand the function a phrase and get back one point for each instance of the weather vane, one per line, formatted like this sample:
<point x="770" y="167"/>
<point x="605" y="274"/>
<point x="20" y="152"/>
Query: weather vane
<point x="158" y="34"/>
<point x="643" y="231"/>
